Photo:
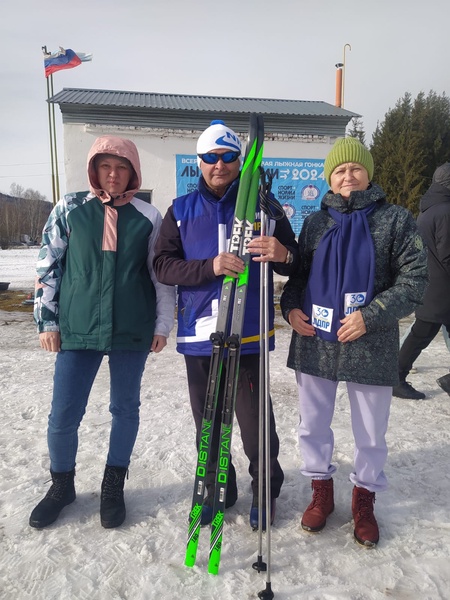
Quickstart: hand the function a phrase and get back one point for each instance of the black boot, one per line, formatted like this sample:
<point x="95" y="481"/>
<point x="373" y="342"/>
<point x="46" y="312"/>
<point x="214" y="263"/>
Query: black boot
<point x="112" y="505"/>
<point x="61" y="493"/>
<point x="405" y="390"/>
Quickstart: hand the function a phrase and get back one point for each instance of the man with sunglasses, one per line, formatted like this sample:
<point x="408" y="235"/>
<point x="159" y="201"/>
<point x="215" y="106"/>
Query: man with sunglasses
<point x="192" y="253"/>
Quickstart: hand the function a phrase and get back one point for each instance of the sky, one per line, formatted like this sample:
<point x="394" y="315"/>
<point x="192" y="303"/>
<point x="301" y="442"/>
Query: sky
<point x="76" y="559"/>
<point x="286" y="49"/>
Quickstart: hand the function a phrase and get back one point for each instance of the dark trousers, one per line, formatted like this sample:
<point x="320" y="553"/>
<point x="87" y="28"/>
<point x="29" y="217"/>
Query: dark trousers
<point x="247" y="414"/>
<point x="421" y="335"/>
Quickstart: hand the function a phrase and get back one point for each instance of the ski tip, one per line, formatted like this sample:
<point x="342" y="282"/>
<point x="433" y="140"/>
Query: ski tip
<point x="213" y="569"/>
<point x="190" y="558"/>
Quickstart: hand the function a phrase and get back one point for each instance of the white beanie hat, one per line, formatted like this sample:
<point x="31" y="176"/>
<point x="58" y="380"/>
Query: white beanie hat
<point x="216" y="136"/>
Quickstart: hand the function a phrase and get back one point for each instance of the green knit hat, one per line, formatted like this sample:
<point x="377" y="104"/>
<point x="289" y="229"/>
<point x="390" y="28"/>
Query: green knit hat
<point x="345" y="150"/>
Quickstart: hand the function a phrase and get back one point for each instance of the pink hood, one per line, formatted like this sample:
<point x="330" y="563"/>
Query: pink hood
<point x="116" y="146"/>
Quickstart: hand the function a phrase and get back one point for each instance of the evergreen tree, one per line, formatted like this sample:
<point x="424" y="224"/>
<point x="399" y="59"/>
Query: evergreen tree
<point x="431" y="119"/>
<point x="357" y="130"/>
<point x="409" y="144"/>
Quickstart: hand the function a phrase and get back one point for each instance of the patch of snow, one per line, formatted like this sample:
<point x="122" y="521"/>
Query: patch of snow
<point x="144" y="559"/>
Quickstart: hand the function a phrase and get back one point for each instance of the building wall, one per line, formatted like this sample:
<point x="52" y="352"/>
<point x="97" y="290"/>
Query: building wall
<point x="158" y="149"/>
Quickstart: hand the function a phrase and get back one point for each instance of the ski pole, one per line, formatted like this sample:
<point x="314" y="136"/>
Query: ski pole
<point x="259" y="565"/>
<point x="264" y="418"/>
<point x="267" y="593"/>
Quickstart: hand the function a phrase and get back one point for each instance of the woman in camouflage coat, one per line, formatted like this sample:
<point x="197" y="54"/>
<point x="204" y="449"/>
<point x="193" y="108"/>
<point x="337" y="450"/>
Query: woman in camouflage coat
<point x="363" y="267"/>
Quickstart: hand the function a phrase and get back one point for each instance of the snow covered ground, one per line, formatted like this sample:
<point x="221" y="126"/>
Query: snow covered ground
<point x="17" y="267"/>
<point x="77" y="559"/>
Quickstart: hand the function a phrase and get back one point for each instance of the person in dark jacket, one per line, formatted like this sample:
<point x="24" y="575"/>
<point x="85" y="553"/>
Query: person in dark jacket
<point x="96" y="295"/>
<point x="192" y="253"/>
<point x="362" y="268"/>
<point x="434" y="225"/>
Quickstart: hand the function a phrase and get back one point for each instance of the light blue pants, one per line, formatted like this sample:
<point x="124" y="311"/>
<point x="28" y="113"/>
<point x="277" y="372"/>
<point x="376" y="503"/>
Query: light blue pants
<point x="369" y="407"/>
<point x="75" y="371"/>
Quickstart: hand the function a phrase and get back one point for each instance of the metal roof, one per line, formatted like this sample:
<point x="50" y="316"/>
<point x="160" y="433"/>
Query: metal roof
<point x="147" y="109"/>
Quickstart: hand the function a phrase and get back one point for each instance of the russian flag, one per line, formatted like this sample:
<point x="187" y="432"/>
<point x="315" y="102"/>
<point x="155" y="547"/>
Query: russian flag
<point x="64" y="59"/>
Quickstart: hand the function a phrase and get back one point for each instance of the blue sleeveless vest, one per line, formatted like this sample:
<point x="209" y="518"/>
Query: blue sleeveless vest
<point x="205" y="223"/>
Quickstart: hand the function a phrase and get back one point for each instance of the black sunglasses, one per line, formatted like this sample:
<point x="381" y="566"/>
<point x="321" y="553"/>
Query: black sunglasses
<point x="212" y="158"/>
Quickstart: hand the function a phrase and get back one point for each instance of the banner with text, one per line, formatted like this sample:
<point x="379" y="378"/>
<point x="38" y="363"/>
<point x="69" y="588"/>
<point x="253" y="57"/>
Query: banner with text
<point x="298" y="183"/>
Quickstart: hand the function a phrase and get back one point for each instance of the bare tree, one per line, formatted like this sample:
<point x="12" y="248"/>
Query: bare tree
<point x="35" y="213"/>
<point x="23" y="214"/>
<point x="34" y="210"/>
<point x="4" y="237"/>
<point x="16" y="190"/>
<point x="9" y="223"/>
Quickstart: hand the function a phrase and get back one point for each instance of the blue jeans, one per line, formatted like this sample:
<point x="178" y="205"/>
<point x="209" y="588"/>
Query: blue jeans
<point x="75" y="371"/>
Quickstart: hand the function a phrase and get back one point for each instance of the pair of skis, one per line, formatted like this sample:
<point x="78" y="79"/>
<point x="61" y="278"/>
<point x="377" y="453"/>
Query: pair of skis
<point x="231" y="305"/>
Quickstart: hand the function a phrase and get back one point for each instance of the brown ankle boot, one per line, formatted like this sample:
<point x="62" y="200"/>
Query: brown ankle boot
<point x="366" y="528"/>
<point x="315" y="516"/>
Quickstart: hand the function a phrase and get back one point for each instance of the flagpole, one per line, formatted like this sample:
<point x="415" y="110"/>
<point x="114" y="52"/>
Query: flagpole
<point x="64" y="59"/>
<point x="49" y="111"/>
<point x="54" y="143"/>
